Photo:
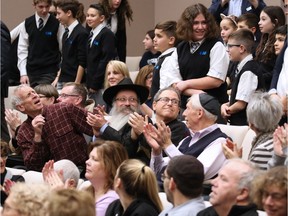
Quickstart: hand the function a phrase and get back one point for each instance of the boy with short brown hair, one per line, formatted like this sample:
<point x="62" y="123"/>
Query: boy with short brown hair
<point x="246" y="80"/>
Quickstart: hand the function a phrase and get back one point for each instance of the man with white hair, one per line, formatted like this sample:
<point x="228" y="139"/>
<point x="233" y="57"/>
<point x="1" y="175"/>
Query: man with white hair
<point x="62" y="173"/>
<point x="126" y="122"/>
<point x="231" y="190"/>
<point x="204" y="142"/>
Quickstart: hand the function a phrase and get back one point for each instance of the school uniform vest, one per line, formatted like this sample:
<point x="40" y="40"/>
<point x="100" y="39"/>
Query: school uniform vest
<point x="43" y="49"/>
<point x="240" y="118"/>
<point x="156" y="75"/>
<point x="196" y="65"/>
<point x="74" y="53"/>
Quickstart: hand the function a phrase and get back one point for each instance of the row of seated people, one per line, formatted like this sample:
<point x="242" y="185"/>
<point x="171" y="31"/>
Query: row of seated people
<point x="118" y="185"/>
<point x="200" y="115"/>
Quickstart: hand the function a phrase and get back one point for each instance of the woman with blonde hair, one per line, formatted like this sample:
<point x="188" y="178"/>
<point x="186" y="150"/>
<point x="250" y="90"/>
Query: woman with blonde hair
<point x="104" y="159"/>
<point x="115" y="72"/>
<point x="136" y="185"/>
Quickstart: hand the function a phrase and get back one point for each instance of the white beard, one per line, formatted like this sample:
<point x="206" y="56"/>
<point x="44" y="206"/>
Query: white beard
<point x="118" y="121"/>
<point x="120" y="116"/>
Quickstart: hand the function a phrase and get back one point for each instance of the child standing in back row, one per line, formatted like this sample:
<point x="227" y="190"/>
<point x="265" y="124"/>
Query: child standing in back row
<point x="246" y="80"/>
<point x="227" y="26"/>
<point x="70" y="14"/>
<point x="165" y="41"/>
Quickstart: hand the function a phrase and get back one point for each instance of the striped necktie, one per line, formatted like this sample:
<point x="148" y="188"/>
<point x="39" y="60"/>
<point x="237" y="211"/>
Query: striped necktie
<point x="90" y="38"/>
<point x="65" y="35"/>
<point x="41" y="24"/>
<point x="194" y="46"/>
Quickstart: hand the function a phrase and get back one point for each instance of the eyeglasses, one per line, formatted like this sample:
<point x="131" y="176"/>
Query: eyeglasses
<point x="4" y="157"/>
<point x="67" y="95"/>
<point x="166" y="100"/>
<point x="123" y="100"/>
<point x="233" y="45"/>
<point x="274" y="196"/>
<point x="163" y="177"/>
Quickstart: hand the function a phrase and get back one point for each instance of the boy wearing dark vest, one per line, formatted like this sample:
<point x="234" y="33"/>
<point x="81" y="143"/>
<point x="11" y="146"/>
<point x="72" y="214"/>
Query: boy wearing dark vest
<point x="164" y="42"/>
<point x="38" y="47"/>
<point x="246" y="80"/>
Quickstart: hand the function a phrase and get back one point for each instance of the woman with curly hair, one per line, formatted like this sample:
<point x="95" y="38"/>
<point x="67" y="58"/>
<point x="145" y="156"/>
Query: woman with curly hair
<point x="271" y="18"/>
<point x="119" y="10"/>
<point x="269" y="191"/>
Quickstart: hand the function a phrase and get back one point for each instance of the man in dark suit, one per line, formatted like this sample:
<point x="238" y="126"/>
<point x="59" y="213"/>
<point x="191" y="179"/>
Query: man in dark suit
<point x="126" y="123"/>
<point x="5" y="64"/>
<point x="228" y="7"/>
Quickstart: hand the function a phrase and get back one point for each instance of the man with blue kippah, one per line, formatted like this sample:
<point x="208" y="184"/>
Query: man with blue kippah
<point x="204" y="142"/>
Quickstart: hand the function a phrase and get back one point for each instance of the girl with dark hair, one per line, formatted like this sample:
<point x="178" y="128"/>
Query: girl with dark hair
<point x="119" y="11"/>
<point x="271" y="18"/>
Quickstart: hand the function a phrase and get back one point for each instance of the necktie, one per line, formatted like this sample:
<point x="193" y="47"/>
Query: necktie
<point x="90" y="38"/>
<point x="65" y="35"/>
<point x="41" y="24"/>
<point x="109" y="21"/>
<point x="194" y="46"/>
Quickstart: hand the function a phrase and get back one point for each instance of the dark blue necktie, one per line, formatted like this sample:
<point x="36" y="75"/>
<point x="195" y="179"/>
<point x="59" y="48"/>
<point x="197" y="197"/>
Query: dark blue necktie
<point x="41" y="24"/>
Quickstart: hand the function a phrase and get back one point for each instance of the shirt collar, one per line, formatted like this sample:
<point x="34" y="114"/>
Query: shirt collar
<point x="244" y="61"/>
<point x="45" y="19"/>
<point x="72" y="26"/>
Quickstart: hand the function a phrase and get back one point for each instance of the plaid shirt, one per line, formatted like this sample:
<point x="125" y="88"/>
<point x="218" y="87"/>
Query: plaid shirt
<point x="62" y="137"/>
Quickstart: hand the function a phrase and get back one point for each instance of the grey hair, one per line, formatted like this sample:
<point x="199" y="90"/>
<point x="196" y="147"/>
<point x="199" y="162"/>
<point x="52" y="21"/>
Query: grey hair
<point x="70" y="170"/>
<point x="264" y="111"/>
<point x="195" y="102"/>
<point x="246" y="177"/>
<point x="16" y="100"/>
<point x="157" y="95"/>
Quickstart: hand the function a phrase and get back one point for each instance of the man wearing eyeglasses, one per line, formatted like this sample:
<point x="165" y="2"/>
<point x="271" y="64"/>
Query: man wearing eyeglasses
<point x="76" y="94"/>
<point x="204" y="142"/>
<point x="50" y="132"/>
<point x="166" y="107"/>
<point x="125" y="123"/>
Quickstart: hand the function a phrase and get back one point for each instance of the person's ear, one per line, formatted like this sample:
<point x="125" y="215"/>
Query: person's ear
<point x="253" y="29"/>
<point x="102" y="18"/>
<point x="20" y="107"/>
<point x="172" y="40"/>
<point x="71" y="183"/>
<point x="243" y="195"/>
<point x="117" y="183"/>
<point x="200" y="113"/>
<point x="172" y="184"/>
<point x="69" y="13"/>
<point x="51" y="100"/>
<point x="154" y="105"/>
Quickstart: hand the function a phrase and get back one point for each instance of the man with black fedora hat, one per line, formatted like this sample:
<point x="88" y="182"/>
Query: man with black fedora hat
<point x="125" y="123"/>
<point x="204" y="142"/>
